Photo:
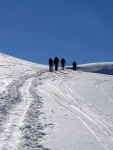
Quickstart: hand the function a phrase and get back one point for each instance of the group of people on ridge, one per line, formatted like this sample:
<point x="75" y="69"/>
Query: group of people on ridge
<point x="63" y="62"/>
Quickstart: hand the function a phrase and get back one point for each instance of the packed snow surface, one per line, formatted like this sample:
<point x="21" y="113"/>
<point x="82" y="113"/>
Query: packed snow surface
<point x="59" y="110"/>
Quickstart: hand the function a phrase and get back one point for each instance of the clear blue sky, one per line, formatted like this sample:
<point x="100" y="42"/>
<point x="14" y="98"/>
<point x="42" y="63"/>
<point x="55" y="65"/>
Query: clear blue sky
<point x="35" y="30"/>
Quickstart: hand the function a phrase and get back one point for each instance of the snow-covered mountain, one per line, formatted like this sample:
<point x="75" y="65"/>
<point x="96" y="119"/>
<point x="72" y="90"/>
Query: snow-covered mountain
<point x="60" y="110"/>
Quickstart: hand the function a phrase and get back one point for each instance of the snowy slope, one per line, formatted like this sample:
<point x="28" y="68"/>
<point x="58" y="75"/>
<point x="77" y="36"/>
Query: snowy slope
<point x="101" y="67"/>
<point x="63" y="110"/>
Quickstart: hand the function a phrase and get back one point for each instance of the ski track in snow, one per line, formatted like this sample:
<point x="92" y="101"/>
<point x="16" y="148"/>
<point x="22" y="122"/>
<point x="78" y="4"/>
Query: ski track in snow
<point x="15" y="123"/>
<point x="22" y="119"/>
<point x="100" y="89"/>
<point x="98" y="126"/>
<point x="16" y="117"/>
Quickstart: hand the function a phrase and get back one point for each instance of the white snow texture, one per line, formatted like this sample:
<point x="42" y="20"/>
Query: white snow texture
<point x="59" y="110"/>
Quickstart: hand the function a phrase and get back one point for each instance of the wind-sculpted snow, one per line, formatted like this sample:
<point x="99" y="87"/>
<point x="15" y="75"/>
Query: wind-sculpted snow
<point x="60" y="110"/>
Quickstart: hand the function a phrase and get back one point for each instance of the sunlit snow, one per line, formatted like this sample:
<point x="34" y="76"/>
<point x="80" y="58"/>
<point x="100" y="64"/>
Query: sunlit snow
<point x="59" y="110"/>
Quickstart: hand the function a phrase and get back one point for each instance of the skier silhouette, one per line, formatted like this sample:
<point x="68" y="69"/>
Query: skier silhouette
<point x="74" y="65"/>
<point x="56" y="61"/>
<point x="63" y="62"/>
<point x="50" y="64"/>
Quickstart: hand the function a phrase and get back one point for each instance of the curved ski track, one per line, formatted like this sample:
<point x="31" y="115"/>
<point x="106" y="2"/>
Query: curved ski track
<point x="12" y="134"/>
<point x="59" y="87"/>
<point x="98" y="123"/>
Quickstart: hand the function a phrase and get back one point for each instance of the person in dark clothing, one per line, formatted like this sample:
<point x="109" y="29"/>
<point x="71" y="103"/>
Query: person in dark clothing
<point x="56" y="61"/>
<point x="50" y="64"/>
<point x="74" y="65"/>
<point x="63" y="62"/>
